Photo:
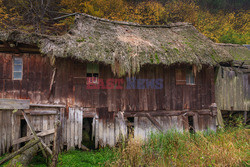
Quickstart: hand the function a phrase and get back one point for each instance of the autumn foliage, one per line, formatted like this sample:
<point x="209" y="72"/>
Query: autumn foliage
<point x="220" y="26"/>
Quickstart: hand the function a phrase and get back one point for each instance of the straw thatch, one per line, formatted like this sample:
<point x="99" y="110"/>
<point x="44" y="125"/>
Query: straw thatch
<point x="240" y="53"/>
<point x="127" y="46"/>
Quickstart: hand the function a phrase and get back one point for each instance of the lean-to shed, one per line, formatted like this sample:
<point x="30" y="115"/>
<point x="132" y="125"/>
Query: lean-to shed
<point x="232" y="84"/>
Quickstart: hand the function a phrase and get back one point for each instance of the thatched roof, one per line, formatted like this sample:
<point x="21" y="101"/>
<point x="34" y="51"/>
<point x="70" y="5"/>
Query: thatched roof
<point x="240" y="53"/>
<point x="127" y="46"/>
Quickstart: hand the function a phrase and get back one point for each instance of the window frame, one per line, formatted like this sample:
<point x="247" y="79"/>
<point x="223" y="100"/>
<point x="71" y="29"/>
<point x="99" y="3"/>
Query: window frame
<point x="13" y="68"/>
<point x="183" y="76"/>
<point x="189" y="73"/>
<point x="92" y="80"/>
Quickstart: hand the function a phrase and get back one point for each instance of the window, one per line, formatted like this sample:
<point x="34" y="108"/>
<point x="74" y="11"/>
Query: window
<point x="17" y="68"/>
<point x="184" y="77"/>
<point x="190" y="77"/>
<point x="92" y="73"/>
<point x="180" y="77"/>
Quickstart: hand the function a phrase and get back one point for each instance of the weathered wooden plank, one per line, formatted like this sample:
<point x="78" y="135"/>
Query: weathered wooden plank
<point x="43" y="112"/>
<point x="96" y="132"/>
<point x="33" y="131"/>
<point x="45" y="127"/>
<point x="76" y="110"/>
<point x="14" y="104"/>
<point x="1" y="132"/>
<point x="80" y="124"/>
<point x="27" y="138"/>
<point x="68" y="126"/>
<point x="19" y="151"/>
<point x="72" y="127"/>
<point x="154" y="122"/>
<point x="48" y="105"/>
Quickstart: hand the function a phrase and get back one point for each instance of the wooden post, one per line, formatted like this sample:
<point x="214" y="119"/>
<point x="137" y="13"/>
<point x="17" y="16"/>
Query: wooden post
<point x="56" y="146"/>
<point x="245" y="117"/>
<point x="35" y="135"/>
<point x="213" y="109"/>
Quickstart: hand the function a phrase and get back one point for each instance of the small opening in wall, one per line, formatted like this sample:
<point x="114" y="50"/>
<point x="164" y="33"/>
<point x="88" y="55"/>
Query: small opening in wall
<point x="88" y="139"/>
<point x="23" y="130"/>
<point x="130" y="126"/>
<point x="191" y="124"/>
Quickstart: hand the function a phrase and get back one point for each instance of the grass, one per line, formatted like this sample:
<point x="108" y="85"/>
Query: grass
<point x="78" y="158"/>
<point x="229" y="147"/>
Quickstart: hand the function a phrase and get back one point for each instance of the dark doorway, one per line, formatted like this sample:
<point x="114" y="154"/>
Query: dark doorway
<point x="191" y="124"/>
<point x="130" y="127"/>
<point x="23" y="130"/>
<point x="88" y="138"/>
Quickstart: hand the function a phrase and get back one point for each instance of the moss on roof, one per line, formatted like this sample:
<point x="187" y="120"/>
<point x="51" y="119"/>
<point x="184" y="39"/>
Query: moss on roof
<point x="239" y="52"/>
<point x="127" y="46"/>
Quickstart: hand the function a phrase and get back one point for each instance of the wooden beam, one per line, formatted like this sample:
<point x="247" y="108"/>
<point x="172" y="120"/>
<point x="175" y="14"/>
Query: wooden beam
<point x="34" y="133"/>
<point x="43" y="112"/>
<point x="46" y="147"/>
<point x="49" y="105"/>
<point x="52" y="82"/>
<point x="12" y="104"/>
<point x="154" y="122"/>
<point x="27" y="138"/>
<point x="166" y="113"/>
<point x="9" y="157"/>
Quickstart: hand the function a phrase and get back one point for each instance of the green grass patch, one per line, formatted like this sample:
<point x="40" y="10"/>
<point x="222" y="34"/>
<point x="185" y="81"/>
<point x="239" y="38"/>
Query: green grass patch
<point x="226" y="147"/>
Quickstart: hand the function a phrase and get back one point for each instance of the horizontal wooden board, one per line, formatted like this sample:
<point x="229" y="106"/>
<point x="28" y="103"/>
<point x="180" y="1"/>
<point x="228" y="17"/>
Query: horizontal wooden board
<point x="27" y="138"/>
<point x="43" y="112"/>
<point x="14" y="104"/>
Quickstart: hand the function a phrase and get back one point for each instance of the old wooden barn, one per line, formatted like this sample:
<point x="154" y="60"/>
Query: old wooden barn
<point x="106" y="79"/>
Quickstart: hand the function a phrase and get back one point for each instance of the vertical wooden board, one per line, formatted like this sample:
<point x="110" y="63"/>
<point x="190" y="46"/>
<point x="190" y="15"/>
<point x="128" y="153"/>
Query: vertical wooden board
<point x="167" y="82"/>
<point x="179" y="123"/>
<point x="52" y="125"/>
<point x="7" y="66"/>
<point x="142" y="127"/>
<point x="201" y="123"/>
<point x="96" y="132"/>
<point x="112" y="133"/>
<point x="173" y="89"/>
<point x="4" y="131"/>
<point x="76" y="126"/>
<point x="9" y="130"/>
<point x="103" y="92"/>
<point x="1" y="67"/>
<point x="1" y="130"/>
<point x="117" y="130"/>
<point x="174" y="122"/>
<point x="80" y="128"/>
<point x="68" y="131"/>
<point x="45" y="127"/>
<point x="105" y="129"/>
<point x="107" y="132"/>
<point x="136" y="133"/>
<point x="101" y="131"/>
<point x="72" y="127"/>
<point x="64" y="126"/>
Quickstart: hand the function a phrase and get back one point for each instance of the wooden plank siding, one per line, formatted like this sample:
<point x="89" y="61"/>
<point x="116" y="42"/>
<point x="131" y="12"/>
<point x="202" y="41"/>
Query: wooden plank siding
<point x="232" y="90"/>
<point x="69" y="89"/>
<point x="10" y="127"/>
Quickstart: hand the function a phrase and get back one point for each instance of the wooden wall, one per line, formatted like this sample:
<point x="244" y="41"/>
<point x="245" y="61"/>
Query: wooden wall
<point x="36" y="78"/>
<point x="232" y="89"/>
<point x="10" y="126"/>
<point x="71" y="89"/>
<point x="70" y="86"/>
<point x="5" y="131"/>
